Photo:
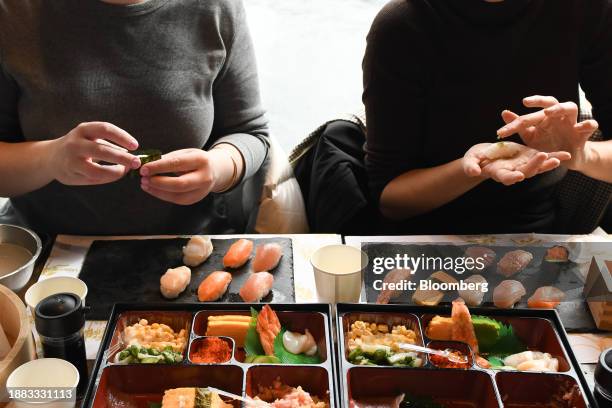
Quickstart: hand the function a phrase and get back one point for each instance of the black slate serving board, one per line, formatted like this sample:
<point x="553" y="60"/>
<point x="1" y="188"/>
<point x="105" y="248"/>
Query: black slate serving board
<point x="129" y="271"/>
<point x="573" y="310"/>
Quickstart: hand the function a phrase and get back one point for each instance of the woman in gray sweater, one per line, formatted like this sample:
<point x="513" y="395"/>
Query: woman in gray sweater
<point x="80" y="78"/>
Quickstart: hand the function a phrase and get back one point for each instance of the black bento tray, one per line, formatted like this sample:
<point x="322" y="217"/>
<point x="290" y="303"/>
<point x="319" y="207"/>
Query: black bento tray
<point x="225" y="372"/>
<point x="422" y="313"/>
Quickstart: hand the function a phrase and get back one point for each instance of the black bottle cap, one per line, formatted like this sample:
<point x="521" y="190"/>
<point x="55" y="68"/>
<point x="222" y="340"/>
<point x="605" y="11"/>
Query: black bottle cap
<point x="603" y="370"/>
<point x="59" y="315"/>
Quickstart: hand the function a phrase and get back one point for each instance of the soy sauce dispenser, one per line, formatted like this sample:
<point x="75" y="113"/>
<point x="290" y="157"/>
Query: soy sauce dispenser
<point x="59" y="321"/>
<point x="603" y="379"/>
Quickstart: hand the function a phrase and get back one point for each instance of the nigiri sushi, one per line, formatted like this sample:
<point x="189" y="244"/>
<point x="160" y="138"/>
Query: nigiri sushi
<point x="238" y="254"/>
<point x="256" y="287"/>
<point x="268" y="327"/>
<point x="485" y="255"/>
<point x="502" y="150"/>
<point x="214" y="286"/>
<point x="513" y="262"/>
<point x="267" y="257"/>
<point x="174" y="281"/>
<point x="557" y="253"/>
<point x="394" y="276"/>
<point x="546" y="297"/>
<point x="432" y="297"/>
<point x="508" y="293"/>
<point x="474" y="297"/>
<point x="197" y="250"/>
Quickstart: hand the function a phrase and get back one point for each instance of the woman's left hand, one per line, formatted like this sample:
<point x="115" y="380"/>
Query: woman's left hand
<point x="553" y="128"/>
<point x="196" y="177"/>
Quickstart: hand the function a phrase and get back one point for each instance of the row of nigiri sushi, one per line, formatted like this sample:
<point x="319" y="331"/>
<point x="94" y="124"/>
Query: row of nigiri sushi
<point x="515" y="261"/>
<point x="213" y="287"/>
<point x="505" y="295"/>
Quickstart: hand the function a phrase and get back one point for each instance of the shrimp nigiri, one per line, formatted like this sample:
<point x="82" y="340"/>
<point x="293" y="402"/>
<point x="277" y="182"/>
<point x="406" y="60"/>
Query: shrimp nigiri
<point x="238" y="254"/>
<point x="214" y="286"/>
<point x="546" y="297"/>
<point x="507" y="293"/>
<point x="174" y="281"/>
<point x="197" y="250"/>
<point x="256" y="287"/>
<point x="268" y="327"/>
<point x="267" y="257"/>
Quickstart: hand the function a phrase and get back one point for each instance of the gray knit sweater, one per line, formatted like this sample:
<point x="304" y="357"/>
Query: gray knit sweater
<point x="173" y="73"/>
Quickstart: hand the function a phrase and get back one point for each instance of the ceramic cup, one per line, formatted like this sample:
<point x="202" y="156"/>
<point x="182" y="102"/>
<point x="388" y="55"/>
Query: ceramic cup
<point x="51" y="286"/>
<point x="338" y="271"/>
<point x="47" y="375"/>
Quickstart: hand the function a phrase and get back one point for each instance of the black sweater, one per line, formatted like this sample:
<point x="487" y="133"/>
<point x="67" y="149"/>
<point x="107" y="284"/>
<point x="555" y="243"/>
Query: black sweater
<point x="437" y="75"/>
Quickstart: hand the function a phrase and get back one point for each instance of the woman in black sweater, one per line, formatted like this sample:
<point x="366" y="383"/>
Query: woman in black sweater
<point x="442" y="77"/>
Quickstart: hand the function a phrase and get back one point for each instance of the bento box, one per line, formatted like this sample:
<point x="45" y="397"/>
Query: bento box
<point x="383" y="376"/>
<point x="122" y="378"/>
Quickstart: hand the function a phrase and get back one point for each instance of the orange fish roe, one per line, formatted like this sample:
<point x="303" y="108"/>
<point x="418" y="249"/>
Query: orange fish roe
<point x="212" y="350"/>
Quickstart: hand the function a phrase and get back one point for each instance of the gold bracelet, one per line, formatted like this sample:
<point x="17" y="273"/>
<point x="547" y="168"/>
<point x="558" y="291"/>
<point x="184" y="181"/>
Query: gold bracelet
<point x="234" y="178"/>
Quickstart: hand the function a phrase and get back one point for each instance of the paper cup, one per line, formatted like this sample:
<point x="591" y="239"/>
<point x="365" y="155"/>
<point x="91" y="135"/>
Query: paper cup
<point x="51" y="286"/>
<point x="49" y="380"/>
<point x="338" y="271"/>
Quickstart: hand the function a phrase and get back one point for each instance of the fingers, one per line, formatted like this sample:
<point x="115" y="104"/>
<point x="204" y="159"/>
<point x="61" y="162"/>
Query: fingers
<point x="471" y="166"/>
<point x="539" y="101"/>
<point x="108" y="131"/>
<point x="509" y="177"/>
<point x="94" y="173"/>
<point x="587" y="126"/>
<point x="175" y="162"/>
<point x="521" y="123"/>
<point x="183" y="184"/>
<point x="509" y="116"/>
<point x="532" y="166"/>
<point x="566" y="109"/>
<point x="561" y="156"/>
<point x="549" y="164"/>
<point x="107" y="153"/>
<point x="189" y="198"/>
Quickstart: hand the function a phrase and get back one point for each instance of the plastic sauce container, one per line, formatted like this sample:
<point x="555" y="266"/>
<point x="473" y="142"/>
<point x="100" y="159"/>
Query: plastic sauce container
<point x="59" y="321"/>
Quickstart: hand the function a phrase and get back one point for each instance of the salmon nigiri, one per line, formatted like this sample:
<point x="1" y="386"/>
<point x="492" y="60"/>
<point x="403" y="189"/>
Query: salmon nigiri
<point x="267" y="257"/>
<point x="546" y="297"/>
<point x="268" y="327"/>
<point x="238" y="254"/>
<point x="214" y="286"/>
<point x="257" y="286"/>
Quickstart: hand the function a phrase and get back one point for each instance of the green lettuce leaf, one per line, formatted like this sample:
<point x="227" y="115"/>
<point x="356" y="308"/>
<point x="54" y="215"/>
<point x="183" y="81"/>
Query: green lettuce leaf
<point x="252" y="344"/>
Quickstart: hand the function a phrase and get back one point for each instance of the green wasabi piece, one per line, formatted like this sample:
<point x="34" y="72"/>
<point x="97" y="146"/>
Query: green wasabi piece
<point x="145" y="156"/>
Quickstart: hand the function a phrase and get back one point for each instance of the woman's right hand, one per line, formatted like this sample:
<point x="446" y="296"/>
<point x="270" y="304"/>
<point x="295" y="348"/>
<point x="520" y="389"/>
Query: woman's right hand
<point x="74" y="159"/>
<point x="525" y="164"/>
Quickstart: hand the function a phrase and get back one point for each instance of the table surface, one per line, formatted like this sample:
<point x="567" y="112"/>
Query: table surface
<point x="68" y="253"/>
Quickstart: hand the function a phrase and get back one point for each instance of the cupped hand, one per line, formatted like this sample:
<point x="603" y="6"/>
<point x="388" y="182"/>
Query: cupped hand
<point x="75" y="158"/>
<point x="554" y="127"/>
<point x="527" y="163"/>
<point x="195" y="176"/>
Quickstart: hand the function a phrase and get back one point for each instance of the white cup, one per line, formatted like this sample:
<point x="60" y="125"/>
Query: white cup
<point x="338" y="271"/>
<point x="47" y="375"/>
<point x="51" y="286"/>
